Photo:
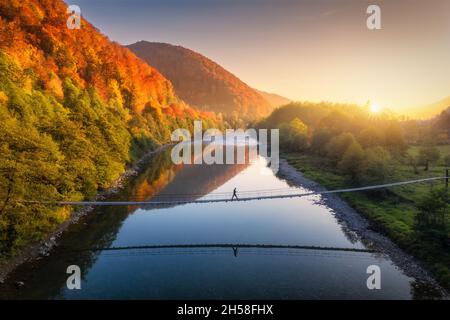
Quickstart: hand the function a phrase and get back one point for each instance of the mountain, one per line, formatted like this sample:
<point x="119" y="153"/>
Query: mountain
<point x="203" y="83"/>
<point x="274" y="99"/>
<point x="75" y="110"/>
<point x="430" y="111"/>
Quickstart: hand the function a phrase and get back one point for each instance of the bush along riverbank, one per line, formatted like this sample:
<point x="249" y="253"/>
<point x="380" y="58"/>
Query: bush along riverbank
<point x="414" y="216"/>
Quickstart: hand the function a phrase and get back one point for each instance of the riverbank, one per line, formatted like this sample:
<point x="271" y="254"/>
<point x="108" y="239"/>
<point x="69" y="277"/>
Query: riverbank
<point x="41" y="249"/>
<point x="360" y="227"/>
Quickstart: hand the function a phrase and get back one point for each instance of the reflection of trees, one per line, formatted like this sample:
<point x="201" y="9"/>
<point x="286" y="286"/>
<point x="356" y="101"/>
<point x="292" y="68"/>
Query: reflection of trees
<point x="157" y="175"/>
<point x="98" y="229"/>
<point x="187" y="182"/>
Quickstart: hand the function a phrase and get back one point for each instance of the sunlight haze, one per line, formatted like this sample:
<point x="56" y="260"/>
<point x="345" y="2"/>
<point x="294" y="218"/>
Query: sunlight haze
<point x="304" y="50"/>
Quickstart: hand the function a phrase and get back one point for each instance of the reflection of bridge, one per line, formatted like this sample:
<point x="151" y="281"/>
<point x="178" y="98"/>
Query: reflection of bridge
<point x="237" y="249"/>
<point x="177" y="199"/>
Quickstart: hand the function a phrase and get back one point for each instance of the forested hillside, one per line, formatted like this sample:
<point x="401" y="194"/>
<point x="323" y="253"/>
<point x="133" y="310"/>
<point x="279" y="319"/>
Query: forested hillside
<point x="203" y="83"/>
<point x="75" y="110"/>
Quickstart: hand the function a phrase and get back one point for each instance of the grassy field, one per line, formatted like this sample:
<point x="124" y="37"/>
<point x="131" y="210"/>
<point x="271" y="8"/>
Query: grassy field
<point x="391" y="212"/>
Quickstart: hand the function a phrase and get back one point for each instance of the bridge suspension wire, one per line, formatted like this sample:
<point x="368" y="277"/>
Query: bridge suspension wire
<point x="216" y="194"/>
<point x="223" y="192"/>
<point x="226" y="196"/>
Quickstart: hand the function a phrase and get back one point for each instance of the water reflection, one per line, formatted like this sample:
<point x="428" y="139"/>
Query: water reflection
<point x="161" y="178"/>
<point x="190" y="272"/>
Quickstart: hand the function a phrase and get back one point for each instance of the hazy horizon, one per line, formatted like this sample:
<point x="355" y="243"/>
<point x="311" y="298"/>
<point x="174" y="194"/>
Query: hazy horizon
<point x="303" y="50"/>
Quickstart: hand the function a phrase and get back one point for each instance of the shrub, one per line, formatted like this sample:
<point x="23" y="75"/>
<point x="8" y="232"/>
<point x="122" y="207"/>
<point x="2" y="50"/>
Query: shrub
<point x="432" y="220"/>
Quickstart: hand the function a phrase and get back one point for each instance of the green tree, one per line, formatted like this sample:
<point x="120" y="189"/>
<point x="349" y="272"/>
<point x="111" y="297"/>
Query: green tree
<point x="428" y="154"/>
<point x="337" y="122"/>
<point x="319" y="140"/>
<point x="394" y="139"/>
<point x="294" y="135"/>
<point x="413" y="162"/>
<point x="353" y="162"/>
<point x="378" y="167"/>
<point x="284" y="136"/>
<point x="298" y="135"/>
<point x="447" y="160"/>
<point x="337" y="146"/>
<point x="370" y="137"/>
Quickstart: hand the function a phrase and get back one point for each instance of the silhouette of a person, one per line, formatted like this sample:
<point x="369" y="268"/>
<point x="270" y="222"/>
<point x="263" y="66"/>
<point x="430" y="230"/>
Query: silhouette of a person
<point x="234" y="195"/>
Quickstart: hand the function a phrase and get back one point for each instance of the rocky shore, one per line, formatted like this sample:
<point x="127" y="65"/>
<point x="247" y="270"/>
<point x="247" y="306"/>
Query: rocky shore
<point x="359" y="227"/>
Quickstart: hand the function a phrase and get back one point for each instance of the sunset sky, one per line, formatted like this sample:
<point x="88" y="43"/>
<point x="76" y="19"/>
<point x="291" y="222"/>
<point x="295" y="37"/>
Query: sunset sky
<point x="305" y="50"/>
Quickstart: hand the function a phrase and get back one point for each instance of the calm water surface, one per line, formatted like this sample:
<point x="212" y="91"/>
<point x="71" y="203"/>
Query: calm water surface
<point x="191" y="273"/>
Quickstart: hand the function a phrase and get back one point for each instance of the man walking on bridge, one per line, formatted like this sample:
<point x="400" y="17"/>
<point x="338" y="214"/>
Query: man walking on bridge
<point x="234" y="195"/>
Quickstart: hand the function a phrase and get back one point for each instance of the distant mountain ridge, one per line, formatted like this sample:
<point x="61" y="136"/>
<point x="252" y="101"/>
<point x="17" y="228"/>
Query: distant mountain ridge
<point x="431" y="110"/>
<point x="203" y="83"/>
<point x="274" y="99"/>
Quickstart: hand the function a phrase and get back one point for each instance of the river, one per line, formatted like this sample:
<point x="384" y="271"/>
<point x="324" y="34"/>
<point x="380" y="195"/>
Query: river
<point x="210" y="272"/>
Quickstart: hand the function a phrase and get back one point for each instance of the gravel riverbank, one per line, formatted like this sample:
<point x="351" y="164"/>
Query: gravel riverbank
<point x="359" y="227"/>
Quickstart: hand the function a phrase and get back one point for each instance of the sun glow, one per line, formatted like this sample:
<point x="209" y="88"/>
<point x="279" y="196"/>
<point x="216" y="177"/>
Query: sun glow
<point x="375" y="107"/>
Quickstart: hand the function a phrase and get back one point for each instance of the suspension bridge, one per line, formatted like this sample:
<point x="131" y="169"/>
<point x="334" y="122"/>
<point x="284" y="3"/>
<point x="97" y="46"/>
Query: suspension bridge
<point x="235" y="249"/>
<point x="246" y="195"/>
